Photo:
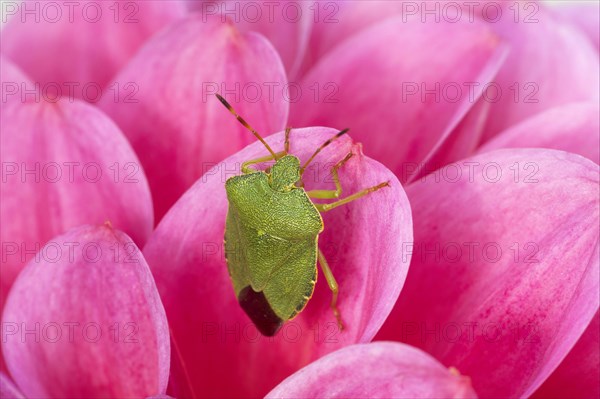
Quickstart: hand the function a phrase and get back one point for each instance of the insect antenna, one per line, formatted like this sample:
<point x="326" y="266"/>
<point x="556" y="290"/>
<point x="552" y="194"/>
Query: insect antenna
<point x="246" y="125"/>
<point x="325" y="144"/>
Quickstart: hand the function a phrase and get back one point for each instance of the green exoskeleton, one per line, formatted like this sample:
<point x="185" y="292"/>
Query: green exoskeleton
<point x="272" y="234"/>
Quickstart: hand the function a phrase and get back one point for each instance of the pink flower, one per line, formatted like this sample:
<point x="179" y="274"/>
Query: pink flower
<point x="518" y="290"/>
<point x="584" y="15"/>
<point x="572" y="127"/>
<point x="362" y="242"/>
<point x="492" y="53"/>
<point x="64" y="63"/>
<point x="461" y="53"/>
<point x="64" y="164"/>
<point x="84" y="319"/>
<point x="375" y="370"/>
<point x="172" y="120"/>
<point x="487" y="131"/>
<point x="581" y="365"/>
<point x="289" y="39"/>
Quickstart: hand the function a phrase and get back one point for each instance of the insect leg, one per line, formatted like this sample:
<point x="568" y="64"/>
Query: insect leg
<point x="333" y="286"/>
<point x="350" y="198"/>
<point x="329" y="194"/>
<point x="246" y="125"/>
<point x="286" y="145"/>
<point x="245" y="166"/>
<point x="325" y="144"/>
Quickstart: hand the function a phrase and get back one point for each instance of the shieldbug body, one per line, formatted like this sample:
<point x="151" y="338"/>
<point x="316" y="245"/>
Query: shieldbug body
<point x="272" y="234"/>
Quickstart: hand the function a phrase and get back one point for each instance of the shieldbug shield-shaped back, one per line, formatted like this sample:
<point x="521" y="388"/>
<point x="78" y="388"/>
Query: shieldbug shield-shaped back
<point x="272" y="234"/>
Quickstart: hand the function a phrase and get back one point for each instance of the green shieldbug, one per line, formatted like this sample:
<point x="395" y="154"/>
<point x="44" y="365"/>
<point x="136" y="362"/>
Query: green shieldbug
<point x="272" y="230"/>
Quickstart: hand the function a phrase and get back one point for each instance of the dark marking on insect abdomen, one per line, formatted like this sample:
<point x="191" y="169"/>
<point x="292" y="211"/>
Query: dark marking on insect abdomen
<point x="257" y="307"/>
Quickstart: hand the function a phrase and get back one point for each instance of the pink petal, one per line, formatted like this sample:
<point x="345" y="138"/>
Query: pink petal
<point x="585" y="15"/>
<point x="8" y="390"/>
<point x="574" y="128"/>
<point x="504" y="278"/>
<point x="365" y="86"/>
<point x="361" y="241"/>
<point x="87" y="320"/>
<point x="461" y="142"/>
<point x="348" y="17"/>
<point x="64" y="62"/>
<point x="10" y="73"/>
<point x="64" y="164"/>
<point x="375" y="370"/>
<point x="287" y="24"/>
<point x="550" y="63"/>
<point x="578" y="376"/>
<point x="13" y="82"/>
<point x="335" y="21"/>
<point x="176" y="124"/>
<point x="15" y="85"/>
